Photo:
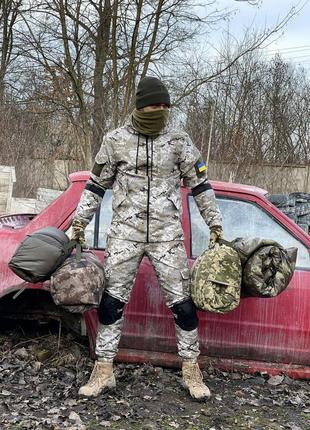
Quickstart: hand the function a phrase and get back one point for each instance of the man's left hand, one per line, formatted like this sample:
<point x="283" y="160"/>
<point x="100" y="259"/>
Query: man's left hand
<point x="216" y="233"/>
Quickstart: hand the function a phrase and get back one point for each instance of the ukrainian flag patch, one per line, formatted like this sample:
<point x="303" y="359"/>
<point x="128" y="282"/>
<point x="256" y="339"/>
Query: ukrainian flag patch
<point x="200" y="167"/>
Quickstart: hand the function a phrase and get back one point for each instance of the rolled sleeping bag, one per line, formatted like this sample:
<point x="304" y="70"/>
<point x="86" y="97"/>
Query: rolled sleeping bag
<point x="267" y="267"/>
<point x="268" y="271"/>
<point x="40" y="254"/>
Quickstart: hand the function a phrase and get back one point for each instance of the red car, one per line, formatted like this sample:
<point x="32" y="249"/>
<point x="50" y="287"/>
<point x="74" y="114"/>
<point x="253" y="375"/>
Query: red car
<point x="270" y="335"/>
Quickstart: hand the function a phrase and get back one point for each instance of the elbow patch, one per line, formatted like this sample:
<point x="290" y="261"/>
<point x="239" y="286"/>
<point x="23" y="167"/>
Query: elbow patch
<point x="94" y="188"/>
<point x="205" y="186"/>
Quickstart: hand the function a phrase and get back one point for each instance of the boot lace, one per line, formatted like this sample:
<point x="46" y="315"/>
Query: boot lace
<point x="95" y="375"/>
<point x="197" y="378"/>
<point x="194" y="376"/>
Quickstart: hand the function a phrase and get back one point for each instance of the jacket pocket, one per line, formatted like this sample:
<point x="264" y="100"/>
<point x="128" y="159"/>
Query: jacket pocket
<point x="175" y="199"/>
<point x="119" y="193"/>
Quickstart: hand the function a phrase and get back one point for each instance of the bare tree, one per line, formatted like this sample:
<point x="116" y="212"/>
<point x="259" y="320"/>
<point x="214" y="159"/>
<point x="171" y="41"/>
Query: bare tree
<point x="101" y="47"/>
<point x="227" y="56"/>
<point x="9" y="13"/>
<point x="260" y="119"/>
<point x="80" y="60"/>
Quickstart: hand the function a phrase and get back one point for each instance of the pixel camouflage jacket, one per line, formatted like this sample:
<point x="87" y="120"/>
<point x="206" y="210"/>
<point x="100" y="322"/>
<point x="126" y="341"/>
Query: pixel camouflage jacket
<point x="145" y="174"/>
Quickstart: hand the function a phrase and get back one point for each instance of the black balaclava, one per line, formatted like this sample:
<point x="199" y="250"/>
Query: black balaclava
<point x="150" y="91"/>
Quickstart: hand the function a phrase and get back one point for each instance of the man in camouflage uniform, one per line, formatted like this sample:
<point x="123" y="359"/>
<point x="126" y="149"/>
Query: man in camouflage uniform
<point x="144" y="162"/>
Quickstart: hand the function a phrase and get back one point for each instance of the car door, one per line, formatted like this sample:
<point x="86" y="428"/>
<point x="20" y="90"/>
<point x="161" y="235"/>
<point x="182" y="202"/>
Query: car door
<point x="273" y="329"/>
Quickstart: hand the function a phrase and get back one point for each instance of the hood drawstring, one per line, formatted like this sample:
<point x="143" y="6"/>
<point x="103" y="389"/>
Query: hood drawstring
<point x="137" y="154"/>
<point x="147" y="155"/>
<point x="151" y="158"/>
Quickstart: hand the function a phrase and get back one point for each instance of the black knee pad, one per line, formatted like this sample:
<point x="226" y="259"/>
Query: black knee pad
<point x="110" y="309"/>
<point x="185" y="315"/>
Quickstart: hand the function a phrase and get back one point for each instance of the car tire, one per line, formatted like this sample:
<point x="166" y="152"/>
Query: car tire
<point x="301" y="197"/>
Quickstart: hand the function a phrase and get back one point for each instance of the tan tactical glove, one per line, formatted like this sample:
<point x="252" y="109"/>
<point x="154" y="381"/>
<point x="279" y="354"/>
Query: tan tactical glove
<point x="78" y="232"/>
<point x="216" y="233"/>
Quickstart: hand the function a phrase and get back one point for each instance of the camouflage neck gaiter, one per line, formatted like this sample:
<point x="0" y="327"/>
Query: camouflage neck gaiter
<point x="150" y="123"/>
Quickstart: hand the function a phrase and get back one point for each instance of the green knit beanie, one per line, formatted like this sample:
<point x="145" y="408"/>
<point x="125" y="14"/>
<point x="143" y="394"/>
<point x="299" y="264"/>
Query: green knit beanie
<point x="151" y="91"/>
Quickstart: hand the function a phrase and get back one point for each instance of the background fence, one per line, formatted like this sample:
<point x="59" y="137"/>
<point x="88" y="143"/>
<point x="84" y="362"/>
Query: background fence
<point x="275" y="179"/>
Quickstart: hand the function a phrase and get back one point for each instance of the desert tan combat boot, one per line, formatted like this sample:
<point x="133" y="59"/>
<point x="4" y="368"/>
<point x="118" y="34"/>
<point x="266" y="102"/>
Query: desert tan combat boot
<point x="192" y="380"/>
<point x="102" y="376"/>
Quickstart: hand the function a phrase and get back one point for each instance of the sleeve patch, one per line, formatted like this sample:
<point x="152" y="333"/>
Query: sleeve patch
<point x="200" y="168"/>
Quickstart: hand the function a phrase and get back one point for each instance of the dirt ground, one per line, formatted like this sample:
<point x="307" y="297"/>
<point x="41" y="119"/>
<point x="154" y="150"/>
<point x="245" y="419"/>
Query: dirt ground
<point x="40" y="377"/>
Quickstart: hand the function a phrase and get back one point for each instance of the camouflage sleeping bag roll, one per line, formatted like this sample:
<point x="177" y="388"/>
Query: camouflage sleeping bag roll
<point x="267" y="266"/>
<point x="78" y="284"/>
<point x="216" y="279"/>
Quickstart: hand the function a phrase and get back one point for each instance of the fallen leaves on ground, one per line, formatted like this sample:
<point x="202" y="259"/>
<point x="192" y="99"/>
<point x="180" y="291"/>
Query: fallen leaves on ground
<point x="40" y="377"/>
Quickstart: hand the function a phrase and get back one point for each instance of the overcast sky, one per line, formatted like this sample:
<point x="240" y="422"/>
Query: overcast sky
<point x="294" y="44"/>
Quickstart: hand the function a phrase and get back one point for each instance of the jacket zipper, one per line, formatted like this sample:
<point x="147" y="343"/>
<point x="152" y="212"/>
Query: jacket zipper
<point x="148" y="192"/>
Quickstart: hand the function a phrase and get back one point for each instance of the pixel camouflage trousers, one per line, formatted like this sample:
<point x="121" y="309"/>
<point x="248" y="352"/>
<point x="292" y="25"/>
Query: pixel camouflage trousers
<point x="121" y="266"/>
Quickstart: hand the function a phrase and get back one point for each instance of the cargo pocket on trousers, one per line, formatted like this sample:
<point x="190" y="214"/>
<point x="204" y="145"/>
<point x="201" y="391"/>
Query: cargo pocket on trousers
<point x="186" y="278"/>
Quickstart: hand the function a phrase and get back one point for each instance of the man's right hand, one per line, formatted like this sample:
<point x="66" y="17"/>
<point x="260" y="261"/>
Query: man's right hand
<point x="78" y="232"/>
